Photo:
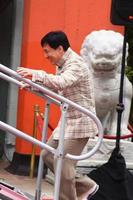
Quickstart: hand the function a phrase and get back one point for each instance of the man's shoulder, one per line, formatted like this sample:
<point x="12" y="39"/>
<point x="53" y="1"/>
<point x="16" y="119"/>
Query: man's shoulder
<point x="74" y="58"/>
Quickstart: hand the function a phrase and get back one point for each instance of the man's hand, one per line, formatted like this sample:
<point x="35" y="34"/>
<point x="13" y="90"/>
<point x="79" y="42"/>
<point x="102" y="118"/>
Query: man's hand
<point x="24" y="85"/>
<point x="25" y="72"/>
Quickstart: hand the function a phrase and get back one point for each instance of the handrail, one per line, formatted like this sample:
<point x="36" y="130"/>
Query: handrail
<point x="61" y="99"/>
<point x="16" y="132"/>
<point x="58" y="153"/>
<point x="21" y="85"/>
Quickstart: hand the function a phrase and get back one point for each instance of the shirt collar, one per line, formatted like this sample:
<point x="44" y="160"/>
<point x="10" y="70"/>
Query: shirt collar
<point x="64" y="58"/>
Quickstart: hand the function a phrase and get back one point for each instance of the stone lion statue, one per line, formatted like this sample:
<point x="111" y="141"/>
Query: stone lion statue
<point x="102" y="51"/>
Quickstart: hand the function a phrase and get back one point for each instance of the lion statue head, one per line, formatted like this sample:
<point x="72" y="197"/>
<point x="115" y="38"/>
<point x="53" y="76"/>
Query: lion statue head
<point x="102" y="50"/>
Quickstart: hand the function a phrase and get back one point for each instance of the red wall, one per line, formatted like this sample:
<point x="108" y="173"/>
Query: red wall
<point x="77" y="18"/>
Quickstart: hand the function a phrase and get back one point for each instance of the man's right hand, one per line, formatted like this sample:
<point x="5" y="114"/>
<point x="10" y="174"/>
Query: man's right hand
<point x="25" y="72"/>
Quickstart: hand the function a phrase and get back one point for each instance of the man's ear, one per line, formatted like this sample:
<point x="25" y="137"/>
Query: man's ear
<point x="60" y="48"/>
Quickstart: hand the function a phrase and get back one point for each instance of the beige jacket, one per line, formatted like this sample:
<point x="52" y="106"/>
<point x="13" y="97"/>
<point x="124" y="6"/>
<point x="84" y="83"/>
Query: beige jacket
<point x="73" y="80"/>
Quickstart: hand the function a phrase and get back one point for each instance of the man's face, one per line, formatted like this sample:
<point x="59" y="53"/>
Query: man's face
<point x="53" y="55"/>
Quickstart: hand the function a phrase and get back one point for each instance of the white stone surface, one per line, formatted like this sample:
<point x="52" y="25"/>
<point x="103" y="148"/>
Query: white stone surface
<point x="102" y="51"/>
<point x="103" y="154"/>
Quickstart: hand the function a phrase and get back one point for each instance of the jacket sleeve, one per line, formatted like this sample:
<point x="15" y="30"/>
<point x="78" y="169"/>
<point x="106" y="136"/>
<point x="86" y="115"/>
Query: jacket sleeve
<point x="65" y="79"/>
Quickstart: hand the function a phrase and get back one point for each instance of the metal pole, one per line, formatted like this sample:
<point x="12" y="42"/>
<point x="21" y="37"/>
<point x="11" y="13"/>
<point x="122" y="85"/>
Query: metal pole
<point x="59" y="153"/>
<point x="42" y="92"/>
<point x="60" y="150"/>
<point x="18" y="133"/>
<point x="41" y="163"/>
<point x="32" y="163"/>
<point x="120" y="106"/>
<point x="48" y="93"/>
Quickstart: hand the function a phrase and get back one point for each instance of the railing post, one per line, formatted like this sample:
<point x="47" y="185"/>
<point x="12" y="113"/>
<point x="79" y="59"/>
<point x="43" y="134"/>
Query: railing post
<point x="41" y="163"/>
<point x="59" y="152"/>
<point x="32" y="163"/>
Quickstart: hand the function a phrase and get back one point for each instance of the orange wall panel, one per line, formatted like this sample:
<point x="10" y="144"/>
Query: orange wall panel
<point x="77" y="18"/>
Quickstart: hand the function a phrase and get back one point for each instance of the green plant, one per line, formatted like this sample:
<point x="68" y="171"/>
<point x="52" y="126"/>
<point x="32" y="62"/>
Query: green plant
<point x="129" y="68"/>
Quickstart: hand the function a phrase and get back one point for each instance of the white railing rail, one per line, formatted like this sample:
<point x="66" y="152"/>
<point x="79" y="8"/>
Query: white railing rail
<point x="61" y="99"/>
<point x="12" y="76"/>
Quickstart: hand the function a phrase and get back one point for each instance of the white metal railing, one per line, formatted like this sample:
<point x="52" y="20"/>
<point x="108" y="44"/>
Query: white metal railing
<point x="11" y="76"/>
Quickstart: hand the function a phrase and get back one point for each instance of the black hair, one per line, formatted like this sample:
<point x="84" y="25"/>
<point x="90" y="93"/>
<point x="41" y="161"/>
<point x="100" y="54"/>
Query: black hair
<point x="55" y="39"/>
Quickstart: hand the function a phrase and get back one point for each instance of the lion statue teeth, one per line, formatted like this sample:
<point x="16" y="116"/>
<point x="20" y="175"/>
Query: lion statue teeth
<point x="102" y="51"/>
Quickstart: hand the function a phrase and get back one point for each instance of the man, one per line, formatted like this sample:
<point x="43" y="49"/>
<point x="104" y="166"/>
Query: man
<point x="73" y="80"/>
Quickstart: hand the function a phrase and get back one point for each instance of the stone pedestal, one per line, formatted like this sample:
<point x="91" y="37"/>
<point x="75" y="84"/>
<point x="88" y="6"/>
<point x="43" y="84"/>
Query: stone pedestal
<point x="103" y="154"/>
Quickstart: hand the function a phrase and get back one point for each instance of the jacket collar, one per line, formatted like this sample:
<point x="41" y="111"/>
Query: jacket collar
<point x="64" y="58"/>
